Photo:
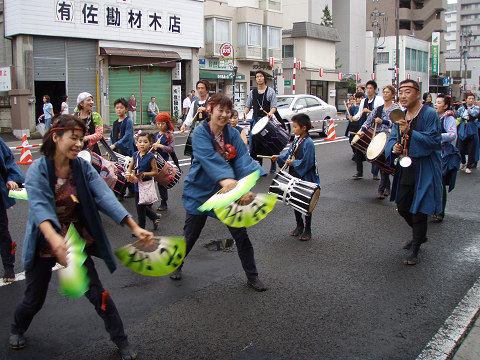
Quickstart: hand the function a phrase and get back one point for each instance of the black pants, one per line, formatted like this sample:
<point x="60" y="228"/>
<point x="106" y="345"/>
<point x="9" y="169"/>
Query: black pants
<point x="7" y="250"/>
<point x="359" y="159"/>
<point x="467" y="147"/>
<point x="384" y="186"/>
<point x="418" y="221"/>
<point x="299" y="220"/>
<point x="37" y="280"/>
<point x="193" y="228"/>
<point x="163" y="194"/>
<point x="444" y="200"/>
<point x="144" y="211"/>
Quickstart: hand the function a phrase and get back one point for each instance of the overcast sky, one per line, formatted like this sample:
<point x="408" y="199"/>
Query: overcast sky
<point x="452" y="1"/>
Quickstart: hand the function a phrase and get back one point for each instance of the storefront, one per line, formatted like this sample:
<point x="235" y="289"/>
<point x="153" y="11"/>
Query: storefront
<point x="109" y="48"/>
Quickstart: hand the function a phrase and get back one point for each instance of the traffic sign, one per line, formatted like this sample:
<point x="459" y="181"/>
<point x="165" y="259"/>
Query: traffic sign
<point x="226" y="50"/>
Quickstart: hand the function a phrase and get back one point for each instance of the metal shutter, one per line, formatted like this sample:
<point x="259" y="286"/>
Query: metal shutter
<point x="48" y="58"/>
<point x="82" y="70"/>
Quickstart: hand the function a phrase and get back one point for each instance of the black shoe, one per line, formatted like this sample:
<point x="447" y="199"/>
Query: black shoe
<point x="127" y="352"/>
<point x="162" y="207"/>
<point x="16" y="341"/>
<point x="412" y="258"/>
<point x="156" y="222"/>
<point x="129" y="194"/>
<point x="257" y="284"/>
<point x="357" y="176"/>
<point x="9" y="275"/>
<point x="437" y="218"/>
<point x="375" y="177"/>
<point x="307" y="235"/>
<point x="298" y="230"/>
<point x="176" y="275"/>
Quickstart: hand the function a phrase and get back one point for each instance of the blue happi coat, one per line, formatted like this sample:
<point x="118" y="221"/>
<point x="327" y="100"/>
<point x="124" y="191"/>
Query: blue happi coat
<point x="425" y="149"/>
<point x="9" y="171"/>
<point x="468" y="126"/>
<point x="304" y="164"/>
<point x="450" y="155"/>
<point x="209" y="167"/>
<point x="93" y="194"/>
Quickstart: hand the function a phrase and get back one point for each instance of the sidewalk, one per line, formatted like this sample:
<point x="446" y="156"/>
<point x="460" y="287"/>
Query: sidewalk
<point x="470" y="347"/>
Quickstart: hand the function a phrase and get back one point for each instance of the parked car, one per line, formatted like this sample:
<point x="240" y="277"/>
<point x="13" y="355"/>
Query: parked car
<point x="289" y="105"/>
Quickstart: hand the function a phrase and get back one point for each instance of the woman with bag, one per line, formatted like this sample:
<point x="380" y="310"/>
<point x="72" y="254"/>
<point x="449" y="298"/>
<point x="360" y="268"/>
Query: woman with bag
<point x="63" y="190"/>
<point x="47" y="112"/>
<point x="142" y="167"/>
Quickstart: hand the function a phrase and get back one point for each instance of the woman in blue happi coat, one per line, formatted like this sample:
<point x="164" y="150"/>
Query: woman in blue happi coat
<point x="11" y="177"/>
<point x="64" y="189"/>
<point x="220" y="160"/>
<point x="450" y="155"/>
<point x="300" y="158"/>
<point x="468" y="141"/>
<point x="417" y="188"/>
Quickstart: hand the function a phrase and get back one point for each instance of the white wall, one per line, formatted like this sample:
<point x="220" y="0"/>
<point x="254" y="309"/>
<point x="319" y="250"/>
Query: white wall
<point x="303" y="10"/>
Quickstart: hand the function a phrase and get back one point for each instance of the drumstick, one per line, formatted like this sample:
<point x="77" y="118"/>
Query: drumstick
<point x="346" y="107"/>
<point x="352" y="133"/>
<point x="264" y="156"/>
<point x="375" y="130"/>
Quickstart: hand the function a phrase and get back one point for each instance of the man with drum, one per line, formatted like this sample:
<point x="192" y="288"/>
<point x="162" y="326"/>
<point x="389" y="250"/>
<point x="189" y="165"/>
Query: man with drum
<point x="366" y="107"/>
<point x="263" y="100"/>
<point x="416" y="142"/>
<point x="380" y="120"/>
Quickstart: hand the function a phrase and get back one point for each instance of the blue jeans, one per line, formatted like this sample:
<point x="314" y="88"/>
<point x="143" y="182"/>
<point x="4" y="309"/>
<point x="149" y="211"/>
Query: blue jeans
<point x="48" y="123"/>
<point x="152" y="116"/>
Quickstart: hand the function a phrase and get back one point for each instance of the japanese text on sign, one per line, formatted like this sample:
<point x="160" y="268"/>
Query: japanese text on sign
<point x="5" y="79"/>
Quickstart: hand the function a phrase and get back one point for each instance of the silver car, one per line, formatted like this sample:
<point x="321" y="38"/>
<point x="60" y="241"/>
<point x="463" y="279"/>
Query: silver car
<point x="314" y="107"/>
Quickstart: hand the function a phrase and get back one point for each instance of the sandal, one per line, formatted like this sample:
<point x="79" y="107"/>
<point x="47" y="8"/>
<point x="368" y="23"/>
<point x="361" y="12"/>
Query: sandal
<point x="305" y="236"/>
<point x="298" y="230"/>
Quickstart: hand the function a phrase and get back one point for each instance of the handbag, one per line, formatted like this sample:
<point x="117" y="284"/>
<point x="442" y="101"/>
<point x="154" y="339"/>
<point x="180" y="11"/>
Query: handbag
<point x="147" y="193"/>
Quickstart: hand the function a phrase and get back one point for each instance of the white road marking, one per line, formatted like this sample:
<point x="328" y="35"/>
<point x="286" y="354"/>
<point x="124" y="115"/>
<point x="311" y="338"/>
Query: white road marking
<point x="450" y="336"/>
<point x="21" y="276"/>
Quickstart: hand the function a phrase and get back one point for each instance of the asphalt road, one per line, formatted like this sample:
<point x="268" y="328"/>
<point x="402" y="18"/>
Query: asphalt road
<point x="343" y="295"/>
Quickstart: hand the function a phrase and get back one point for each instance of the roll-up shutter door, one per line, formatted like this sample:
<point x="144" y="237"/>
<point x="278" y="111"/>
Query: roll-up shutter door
<point x="82" y="70"/>
<point x="144" y="82"/>
<point x="49" y="58"/>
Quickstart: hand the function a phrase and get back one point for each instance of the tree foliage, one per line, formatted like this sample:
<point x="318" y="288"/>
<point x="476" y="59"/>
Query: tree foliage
<point x="327" y="17"/>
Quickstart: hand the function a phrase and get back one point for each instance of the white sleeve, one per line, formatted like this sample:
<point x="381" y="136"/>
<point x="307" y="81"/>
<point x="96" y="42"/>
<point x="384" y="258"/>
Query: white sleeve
<point x="188" y="121"/>
<point x="378" y="101"/>
<point x="360" y="111"/>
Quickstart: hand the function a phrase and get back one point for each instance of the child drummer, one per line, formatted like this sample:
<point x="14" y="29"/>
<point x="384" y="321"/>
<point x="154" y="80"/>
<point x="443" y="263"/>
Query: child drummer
<point x="300" y="158"/>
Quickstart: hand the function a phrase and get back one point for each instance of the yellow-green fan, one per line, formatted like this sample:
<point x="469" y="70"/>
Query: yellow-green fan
<point x="223" y="199"/>
<point x="163" y="257"/>
<point x="247" y="213"/>
<point x="73" y="278"/>
<point x="20" y="194"/>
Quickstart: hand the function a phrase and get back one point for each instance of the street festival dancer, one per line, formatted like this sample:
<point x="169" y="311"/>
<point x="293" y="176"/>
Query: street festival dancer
<point x="417" y="187"/>
<point x="468" y="141"/>
<point x="11" y="177"/>
<point x="450" y="155"/>
<point x="300" y="158"/>
<point x="263" y="100"/>
<point x="62" y="190"/>
<point x="196" y="114"/>
<point x="380" y="117"/>
<point x="220" y="159"/>
<point x="366" y="107"/>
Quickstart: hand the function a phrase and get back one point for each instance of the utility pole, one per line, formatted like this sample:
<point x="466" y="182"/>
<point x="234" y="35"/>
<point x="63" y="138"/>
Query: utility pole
<point x="397" y="44"/>
<point x="466" y="37"/>
<point x="375" y="18"/>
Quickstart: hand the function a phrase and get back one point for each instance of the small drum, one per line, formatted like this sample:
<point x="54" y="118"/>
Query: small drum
<point x="361" y="142"/>
<point x="270" y="136"/>
<point x="111" y="172"/>
<point x="168" y="174"/>
<point x="376" y="153"/>
<point x="301" y="195"/>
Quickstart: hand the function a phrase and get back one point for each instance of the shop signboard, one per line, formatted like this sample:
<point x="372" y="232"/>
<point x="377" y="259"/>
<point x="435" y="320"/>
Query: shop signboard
<point x="214" y="64"/>
<point x="169" y="22"/>
<point x="435" y="52"/>
<point x="5" y="79"/>
<point x="176" y="100"/>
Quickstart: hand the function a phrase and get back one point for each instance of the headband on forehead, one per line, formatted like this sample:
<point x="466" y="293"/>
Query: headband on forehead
<point x="409" y="85"/>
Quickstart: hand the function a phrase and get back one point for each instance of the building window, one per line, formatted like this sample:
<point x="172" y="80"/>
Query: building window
<point x="287" y="51"/>
<point x="425" y="62"/>
<point x="274" y="38"/>
<point x="383" y="58"/>
<point x="222" y="31"/>
<point x="405" y="25"/>
<point x="209" y="31"/>
<point x="242" y="34"/>
<point x="405" y="4"/>
<point x="254" y="35"/>
<point x="407" y="59"/>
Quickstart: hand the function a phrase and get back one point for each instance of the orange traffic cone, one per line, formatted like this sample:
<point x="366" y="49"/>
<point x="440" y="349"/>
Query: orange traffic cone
<point x="331" y="132"/>
<point x="25" y="156"/>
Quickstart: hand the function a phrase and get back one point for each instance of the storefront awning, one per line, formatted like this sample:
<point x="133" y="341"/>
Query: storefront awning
<point x="140" y="53"/>
<point x="219" y="75"/>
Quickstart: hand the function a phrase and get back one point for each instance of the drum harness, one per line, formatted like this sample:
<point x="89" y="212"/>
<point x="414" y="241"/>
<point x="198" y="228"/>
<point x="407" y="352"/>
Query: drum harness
<point x="287" y="188"/>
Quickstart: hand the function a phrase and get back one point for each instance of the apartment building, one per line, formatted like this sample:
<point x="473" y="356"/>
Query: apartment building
<point x="254" y="28"/>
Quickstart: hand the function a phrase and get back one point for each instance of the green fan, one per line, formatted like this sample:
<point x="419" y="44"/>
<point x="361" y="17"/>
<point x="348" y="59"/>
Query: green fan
<point x="20" y="194"/>
<point x="220" y="200"/>
<point x="247" y="214"/>
<point x="161" y="258"/>
<point x="73" y="278"/>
